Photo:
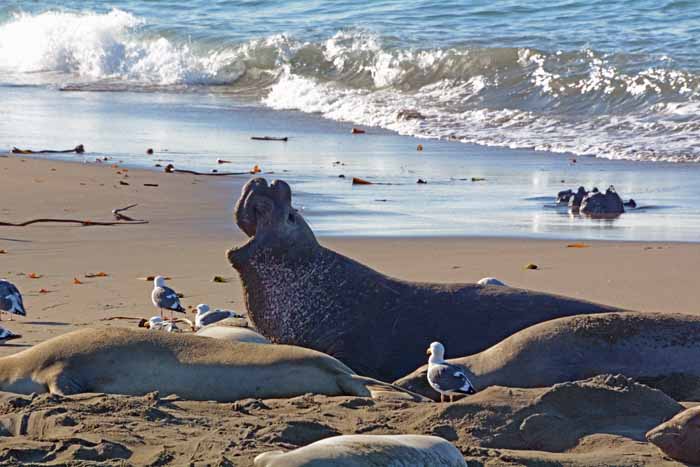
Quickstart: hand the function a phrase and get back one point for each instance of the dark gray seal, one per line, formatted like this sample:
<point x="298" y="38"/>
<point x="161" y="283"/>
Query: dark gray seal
<point x="298" y="292"/>
<point x="661" y="350"/>
<point x="599" y="204"/>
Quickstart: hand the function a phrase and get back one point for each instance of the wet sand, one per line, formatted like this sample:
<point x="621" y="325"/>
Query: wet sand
<point x="190" y="228"/>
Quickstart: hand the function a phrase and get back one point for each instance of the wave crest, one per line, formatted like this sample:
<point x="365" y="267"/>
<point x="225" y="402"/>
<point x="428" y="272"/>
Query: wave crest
<point x="583" y="102"/>
<point x="106" y="46"/>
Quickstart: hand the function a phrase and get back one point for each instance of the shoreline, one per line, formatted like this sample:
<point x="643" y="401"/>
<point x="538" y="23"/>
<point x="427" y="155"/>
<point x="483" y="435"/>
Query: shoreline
<point x="512" y="197"/>
<point x="191" y="228"/>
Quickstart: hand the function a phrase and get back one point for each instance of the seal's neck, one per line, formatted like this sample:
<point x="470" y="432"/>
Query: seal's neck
<point x="14" y="378"/>
<point x="282" y="292"/>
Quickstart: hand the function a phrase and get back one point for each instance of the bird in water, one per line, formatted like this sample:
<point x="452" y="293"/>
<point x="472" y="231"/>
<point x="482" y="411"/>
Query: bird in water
<point x="165" y="298"/>
<point x="10" y="300"/>
<point x="446" y="378"/>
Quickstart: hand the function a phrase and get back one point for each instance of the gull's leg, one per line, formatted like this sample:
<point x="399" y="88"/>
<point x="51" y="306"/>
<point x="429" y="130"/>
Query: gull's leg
<point x="451" y="398"/>
<point x="442" y="397"/>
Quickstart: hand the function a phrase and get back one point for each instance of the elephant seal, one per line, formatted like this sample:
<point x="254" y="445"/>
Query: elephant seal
<point x="136" y="362"/>
<point x="599" y="204"/>
<point x="661" y="350"/>
<point x="368" y="450"/>
<point x="298" y="292"/>
<point x="232" y="334"/>
<point x="679" y="438"/>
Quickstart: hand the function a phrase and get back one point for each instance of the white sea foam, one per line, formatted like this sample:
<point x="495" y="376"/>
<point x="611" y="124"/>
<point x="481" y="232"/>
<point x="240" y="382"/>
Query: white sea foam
<point x="582" y="102"/>
<point x="106" y="46"/>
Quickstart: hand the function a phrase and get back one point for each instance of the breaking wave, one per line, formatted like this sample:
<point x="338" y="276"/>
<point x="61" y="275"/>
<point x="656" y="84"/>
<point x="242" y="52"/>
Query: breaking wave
<point x="617" y="106"/>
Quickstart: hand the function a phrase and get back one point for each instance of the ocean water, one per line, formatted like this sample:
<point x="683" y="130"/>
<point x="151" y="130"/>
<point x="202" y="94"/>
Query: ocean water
<point x="617" y="79"/>
<point x="525" y="85"/>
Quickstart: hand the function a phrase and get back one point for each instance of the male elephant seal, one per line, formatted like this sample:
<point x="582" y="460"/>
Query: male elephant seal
<point x="368" y="451"/>
<point x="679" y="438"/>
<point x="136" y="362"/>
<point x="298" y="292"/>
<point x="661" y="350"/>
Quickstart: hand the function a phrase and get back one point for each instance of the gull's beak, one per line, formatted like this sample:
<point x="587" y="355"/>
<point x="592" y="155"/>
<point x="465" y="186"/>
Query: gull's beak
<point x="428" y="352"/>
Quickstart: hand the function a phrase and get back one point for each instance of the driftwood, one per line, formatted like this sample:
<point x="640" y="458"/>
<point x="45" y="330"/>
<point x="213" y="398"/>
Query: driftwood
<point x="143" y="321"/>
<point x="121" y="317"/>
<point x="67" y="221"/>
<point x="121" y="217"/>
<point x="268" y="138"/>
<point x="171" y="169"/>
<point x="121" y="220"/>
<point x="361" y="181"/>
<point x="79" y="149"/>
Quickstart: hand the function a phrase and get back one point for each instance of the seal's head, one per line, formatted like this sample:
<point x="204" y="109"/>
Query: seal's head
<point x="265" y="214"/>
<point x="679" y="438"/>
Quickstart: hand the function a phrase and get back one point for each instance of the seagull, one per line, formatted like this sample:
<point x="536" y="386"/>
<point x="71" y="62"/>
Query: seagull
<point x="444" y="377"/>
<point x="491" y="281"/>
<point x="170" y="326"/>
<point x="205" y="317"/>
<point x="165" y="298"/>
<point x="11" y="300"/>
<point x="7" y="335"/>
<point x="156" y="323"/>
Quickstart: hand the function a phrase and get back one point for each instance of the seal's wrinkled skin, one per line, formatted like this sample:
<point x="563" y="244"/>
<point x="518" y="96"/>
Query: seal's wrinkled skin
<point x="298" y="292"/>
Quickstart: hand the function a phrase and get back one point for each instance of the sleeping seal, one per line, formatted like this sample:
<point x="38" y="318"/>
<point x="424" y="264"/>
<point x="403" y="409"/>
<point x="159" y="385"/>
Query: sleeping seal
<point x="298" y="292"/>
<point x="679" y="438"/>
<point x="368" y="450"/>
<point x="232" y="334"/>
<point x="661" y="350"/>
<point x="136" y="362"/>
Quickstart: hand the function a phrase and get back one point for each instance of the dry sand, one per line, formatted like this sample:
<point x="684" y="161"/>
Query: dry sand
<point x="189" y="230"/>
<point x="601" y="421"/>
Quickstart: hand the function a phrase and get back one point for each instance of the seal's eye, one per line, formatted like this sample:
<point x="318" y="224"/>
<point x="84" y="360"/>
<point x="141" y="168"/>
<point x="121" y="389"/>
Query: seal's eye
<point x="290" y="218"/>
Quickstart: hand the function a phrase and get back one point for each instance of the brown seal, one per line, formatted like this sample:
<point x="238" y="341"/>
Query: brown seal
<point x="679" y="438"/>
<point x="136" y="362"/>
<point x="660" y="350"/>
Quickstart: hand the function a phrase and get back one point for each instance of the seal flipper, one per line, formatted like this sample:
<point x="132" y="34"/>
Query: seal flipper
<point x="64" y="384"/>
<point x="362" y="386"/>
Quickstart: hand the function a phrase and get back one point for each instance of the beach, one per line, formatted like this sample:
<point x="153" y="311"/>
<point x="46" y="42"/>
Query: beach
<point x="189" y="229"/>
<point x="426" y="141"/>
